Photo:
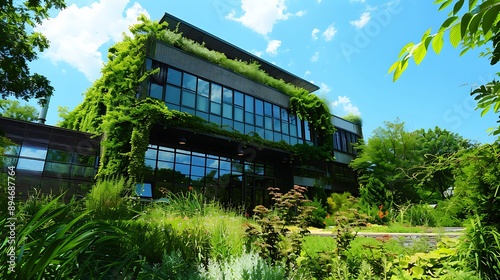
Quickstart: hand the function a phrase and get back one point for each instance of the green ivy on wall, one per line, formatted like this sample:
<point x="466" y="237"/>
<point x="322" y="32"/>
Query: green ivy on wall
<point x="111" y="109"/>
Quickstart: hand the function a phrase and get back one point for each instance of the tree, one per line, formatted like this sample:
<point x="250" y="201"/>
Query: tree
<point x="468" y="25"/>
<point x="382" y="164"/>
<point x="435" y="175"/>
<point x="18" y="47"/>
<point x="13" y="109"/>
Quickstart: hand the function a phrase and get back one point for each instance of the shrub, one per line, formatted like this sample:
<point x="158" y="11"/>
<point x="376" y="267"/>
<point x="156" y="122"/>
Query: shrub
<point x="416" y="215"/>
<point x="317" y="218"/>
<point x="108" y="199"/>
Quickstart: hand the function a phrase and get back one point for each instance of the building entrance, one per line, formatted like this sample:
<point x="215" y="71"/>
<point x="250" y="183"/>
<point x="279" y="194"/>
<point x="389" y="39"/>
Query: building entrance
<point x="250" y="191"/>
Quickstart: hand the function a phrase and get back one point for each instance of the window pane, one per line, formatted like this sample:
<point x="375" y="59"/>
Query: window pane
<point x="165" y="165"/>
<point x="269" y="123"/>
<point x="293" y="130"/>
<point x="215" y="108"/>
<point x="189" y="82"/>
<point x="182" y="158"/>
<point x="202" y="103"/>
<point x="182" y="168"/>
<point x="284" y="128"/>
<point x="216" y="93"/>
<point x="156" y="91"/>
<point x="173" y="95"/>
<point x="307" y="132"/>
<point x="284" y="115"/>
<point x="197" y="171"/>
<point x="150" y="153"/>
<point x="85" y="159"/>
<point x="268" y="109"/>
<point x="199" y="161"/>
<point x="259" y="120"/>
<point x="238" y="98"/>
<point x="215" y="119"/>
<point x="227" y="111"/>
<point x="259" y="107"/>
<point x="203" y="87"/>
<point x="228" y="95"/>
<point x="57" y="169"/>
<point x="276" y="112"/>
<point x="57" y="155"/>
<point x="238" y="114"/>
<point x="248" y="103"/>
<point x="268" y="135"/>
<point x="188" y="98"/>
<point x="239" y="126"/>
<point x="213" y="163"/>
<point x="277" y="125"/>
<point x="249" y="128"/>
<point x="34" y="150"/>
<point x="166" y="156"/>
<point x="30" y="164"/>
<point x="82" y="172"/>
<point x="174" y="77"/>
<point x="249" y="118"/>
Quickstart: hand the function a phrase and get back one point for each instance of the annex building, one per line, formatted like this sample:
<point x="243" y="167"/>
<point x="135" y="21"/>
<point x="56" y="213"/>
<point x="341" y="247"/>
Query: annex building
<point x="251" y="140"/>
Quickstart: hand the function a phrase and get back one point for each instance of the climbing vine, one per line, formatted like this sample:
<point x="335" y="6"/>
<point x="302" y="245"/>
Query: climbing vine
<point x="111" y="109"/>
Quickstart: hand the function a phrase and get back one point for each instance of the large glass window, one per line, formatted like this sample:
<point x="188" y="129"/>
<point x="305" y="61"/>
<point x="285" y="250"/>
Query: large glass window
<point x="189" y="82"/>
<point x="174" y="77"/>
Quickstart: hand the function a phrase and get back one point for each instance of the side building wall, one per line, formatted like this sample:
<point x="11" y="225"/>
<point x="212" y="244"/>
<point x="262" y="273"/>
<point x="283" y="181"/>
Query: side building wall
<point x="48" y="159"/>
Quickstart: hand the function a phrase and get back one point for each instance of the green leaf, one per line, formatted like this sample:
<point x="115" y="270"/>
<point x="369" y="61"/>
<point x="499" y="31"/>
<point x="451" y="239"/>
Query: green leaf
<point x="458" y="6"/>
<point x="419" y="53"/>
<point x="400" y="69"/>
<point x="464" y="24"/>
<point x="485" y="110"/>
<point x="393" y="66"/>
<point x="472" y="4"/>
<point x="474" y="23"/>
<point x="417" y="272"/>
<point x="438" y="42"/>
<point x="448" y="22"/>
<point x="426" y="34"/>
<point x="489" y="18"/>
<point x="405" y="49"/>
<point x="444" y="5"/>
<point x="455" y="35"/>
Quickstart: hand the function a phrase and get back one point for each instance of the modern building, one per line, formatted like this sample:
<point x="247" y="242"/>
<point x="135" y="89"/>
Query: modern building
<point x="235" y="171"/>
<point x="48" y="159"/>
<point x="254" y="142"/>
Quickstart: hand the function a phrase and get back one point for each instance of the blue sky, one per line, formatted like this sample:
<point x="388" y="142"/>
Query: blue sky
<point x="343" y="46"/>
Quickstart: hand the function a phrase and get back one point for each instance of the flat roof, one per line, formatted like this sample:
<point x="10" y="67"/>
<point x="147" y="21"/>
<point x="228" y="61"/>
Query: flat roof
<point x="231" y="51"/>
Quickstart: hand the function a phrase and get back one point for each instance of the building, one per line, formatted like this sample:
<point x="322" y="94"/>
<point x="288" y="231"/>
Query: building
<point x="247" y="136"/>
<point x="49" y="159"/>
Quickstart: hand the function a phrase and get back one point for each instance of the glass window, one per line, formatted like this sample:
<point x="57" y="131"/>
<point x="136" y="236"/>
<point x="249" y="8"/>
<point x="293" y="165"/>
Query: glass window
<point x="238" y="98"/>
<point x="216" y="93"/>
<point x="203" y="87"/>
<point x="85" y="159"/>
<point x="174" y="77"/>
<point x="30" y="164"/>
<point x="227" y="111"/>
<point x="249" y="128"/>
<point x="182" y="168"/>
<point x="197" y="160"/>
<point x="277" y="137"/>
<point x="293" y="119"/>
<point x="259" y="107"/>
<point x="182" y="158"/>
<point x="188" y="98"/>
<point x="238" y="114"/>
<point x="293" y="130"/>
<point x="150" y="153"/>
<point x="165" y="165"/>
<point x="57" y="169"/>
<point x="277" y="125"/>
<point x="215" y="108"/>
<point x="307" y="132"/>
<point x="239" y="126"/>
<point x="13" y="149"/>
<point x="82" y="172"/>
<point x="259" y="120"/>
<point x="173" y="95"/>
<point x="249" y="103"/>
<point x="228" y="96"/>
<point x="212" y="163"/>
<point x="269" y="123"/>
<point x="227" y="124"/>
<point x="225" y="164"/>
<point x="197" y="171"/>
<point x="284" y="115"/>
<point x="276" y="112"/>
<point x="260" y="132"/>
<point x="249" y="118"/>
<point x="189" y="82"/>
<point x="268" y="135"/>
<point x="34" y="150"/>
<point x="202" y="103"/>
<point x="284" y="128"/>
<point x="58" y="155"/>
<point x="149" y="63"/>
<point x="156" y="91"/>
<point x="299" y="129"/>
<point x="166" y="156"/>
<point x="215" y="119"/>
<point x="268" y="109"/>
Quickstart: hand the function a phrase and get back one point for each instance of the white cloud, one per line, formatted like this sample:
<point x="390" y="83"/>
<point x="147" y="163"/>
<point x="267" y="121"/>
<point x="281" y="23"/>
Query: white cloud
<point x="362" y="21"/>
<point x="344" y="103"/>
<point x="272" y="47"/>
<point x="314" y="33"/>
<point x="315" y="57"/>
<point x="261" y="15"/>
<point x="307" y="73"/>
<point x="300" y="13"/>
<point x="329" y="33"/>
<point x="257" y="53"/>
<point x="324" y="88"/>
<point x="357" y="1"/>
<point x="76" y="34"/>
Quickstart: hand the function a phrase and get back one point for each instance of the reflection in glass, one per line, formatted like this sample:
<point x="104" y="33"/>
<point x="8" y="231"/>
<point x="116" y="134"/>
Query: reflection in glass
<point x="189" y="82"/>
<point x="174" y="77"/>
<point x="188" y="98"/>
<point x="203" y="87"/>
<point x="33" y="150"/>
<point x="173" y="95"/>
<point x="156" y="91"/>
<point x="57" y="169"/>
<point x="30" y="164"/>
<point x="216" y="93"/>
<point x="58" y="155"/>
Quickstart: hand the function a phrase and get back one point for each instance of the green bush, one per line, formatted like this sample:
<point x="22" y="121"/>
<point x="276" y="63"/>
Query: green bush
<point x="318" y="215"/>
<point x="109" y="199"/>
<point x="416" y="215"/>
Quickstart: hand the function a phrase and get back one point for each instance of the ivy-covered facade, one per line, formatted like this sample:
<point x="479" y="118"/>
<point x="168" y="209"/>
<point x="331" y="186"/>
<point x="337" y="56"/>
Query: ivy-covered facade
<point x="179" y="109"/>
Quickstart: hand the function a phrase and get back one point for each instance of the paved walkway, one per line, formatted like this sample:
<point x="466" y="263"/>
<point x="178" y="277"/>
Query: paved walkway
<point x="451" y="232"/>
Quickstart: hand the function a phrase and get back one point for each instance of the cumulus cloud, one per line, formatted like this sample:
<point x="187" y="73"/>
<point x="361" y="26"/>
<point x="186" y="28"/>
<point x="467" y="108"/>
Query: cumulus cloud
<point x="76" y="34"/>
<point x="324" y="88"/>
<point x="315" y="57"/>
<point x="329" y="33"/>
<point x="314" y="33"/>
<point x="307" y="73"/>
<point x="344" y="103"/>
<point x="261" y="15"/>
<point x="300" y="13"/>
<point x="362" y="21"/>
<point x="272" y="47"/>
